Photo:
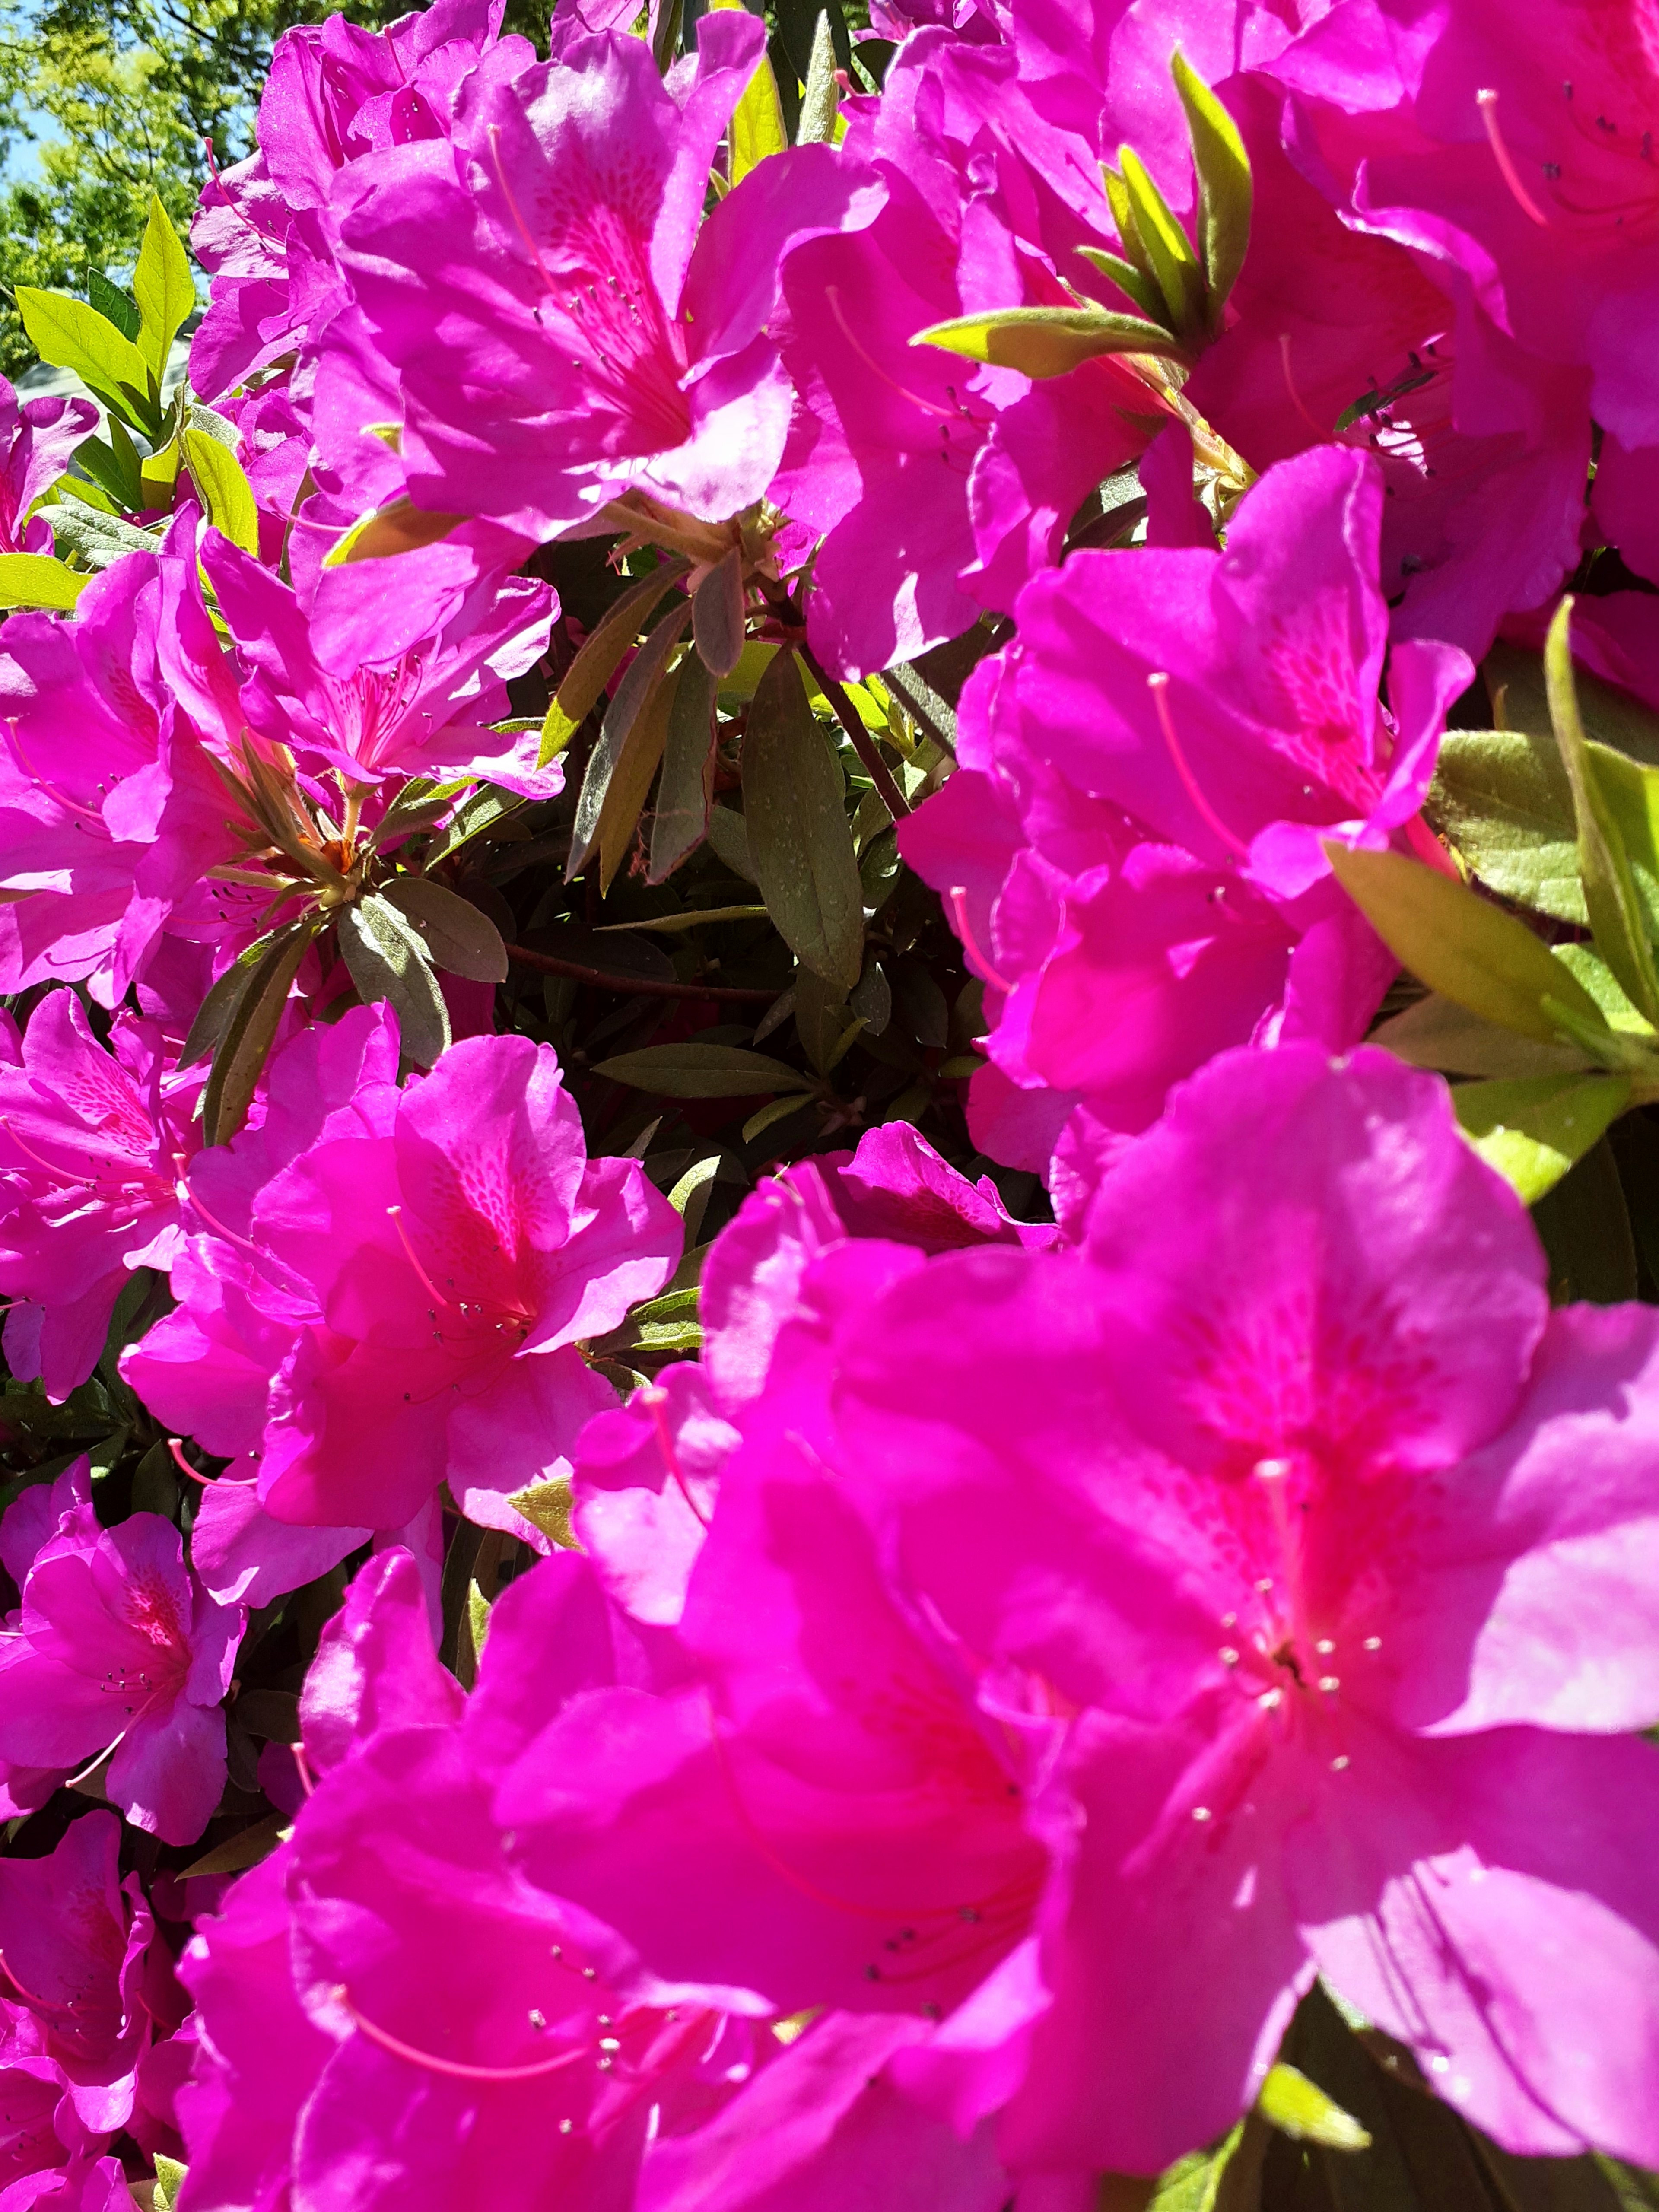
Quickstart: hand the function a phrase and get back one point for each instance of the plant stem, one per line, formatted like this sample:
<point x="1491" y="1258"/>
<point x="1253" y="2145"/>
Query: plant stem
<point x="863" y="743"/>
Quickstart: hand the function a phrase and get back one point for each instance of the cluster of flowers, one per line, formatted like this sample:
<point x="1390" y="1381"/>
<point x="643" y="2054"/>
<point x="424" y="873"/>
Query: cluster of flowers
<point x="954" y="1719"/>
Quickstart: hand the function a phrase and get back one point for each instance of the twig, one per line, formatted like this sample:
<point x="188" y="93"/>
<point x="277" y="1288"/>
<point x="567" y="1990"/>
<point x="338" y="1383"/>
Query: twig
<point x="636" y="986"/>
<point x="863" y="743"/>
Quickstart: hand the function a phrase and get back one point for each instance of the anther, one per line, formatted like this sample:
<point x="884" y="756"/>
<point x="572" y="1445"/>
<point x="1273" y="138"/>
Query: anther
<point x="1202" y="1812"/>
<point x="1329" y="1682"/>
<point x="1340" y="1762"/>
<point x="1229" y="1657"/>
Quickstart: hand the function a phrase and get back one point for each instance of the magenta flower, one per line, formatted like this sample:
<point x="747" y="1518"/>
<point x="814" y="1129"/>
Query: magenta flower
<point x="109" y="812"/>
<point x="119" y="1648"/>
<point x="645" y="1483"/>
<point x="335" y="93"/>
<point x="1343" y="334"/>
<point x="37" y="438"/>
<point x="1336" y="1544"/>
<point x="87" y="1989"/>
<point x="92" y="1147"/>
<point x="1135" y="850"/>
<point x="99" y="2186"/>
<point x="564" y="326"/>
<point x="395" y="669"/>
<point x="1515" y="147"/>
<point x="435" y="1278"/>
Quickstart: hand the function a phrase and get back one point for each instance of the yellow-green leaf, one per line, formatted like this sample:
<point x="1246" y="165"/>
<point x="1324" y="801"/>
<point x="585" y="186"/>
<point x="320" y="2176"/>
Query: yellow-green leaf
<point x="601" y="653"/>
<point x="1462" y="947"/>
<point x="1532" y="1130"/>
<point x="226" y="493"/>
<point x="757" y="120"/>
<point x="35" y="580"/>
<point x="1224" y="191"/>
<point x="163" y="288"/>
<point x="1300" y="2109"/>
<point x="1169" y="249"/>
<point x="1044" y="342"/>
<point x="546" y="1506"/>
<point x="630" y="780"/>
<point x="403" y="527"/>
<point x="1616" y="916"/>
<point x="1141" y="288"/>
<point x="70" y="335"/>
<point x="169" y="2179"/>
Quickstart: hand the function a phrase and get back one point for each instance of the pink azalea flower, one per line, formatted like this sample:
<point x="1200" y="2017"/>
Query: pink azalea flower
<point x="390" y="2014"/>
<point x="93" y="1146"/>
<point x="645" y="1483"/>
<point x="395" y="669"/>
<point x="86" y="1988"/>
<point x="82" y="2186"/>
<point x="1341" y="333"/>
<point x="336" y="93"/>
<point x="109" y="812"/>
<point x="564" y="326"/>
<point x="1513" y="143"/>
<point x="37" y="439"/>
<point x="433" y="1261"/>
<point x="1334" y="1544"/>
<point x="117" y="1649"/>
<point x="1152" y="766"/>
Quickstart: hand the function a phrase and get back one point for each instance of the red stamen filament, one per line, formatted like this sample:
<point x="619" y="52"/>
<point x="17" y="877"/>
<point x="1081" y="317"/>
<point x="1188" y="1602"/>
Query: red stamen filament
<point x="1158" y="685"/>
<point x="459" y="2070"/>
<point x="395" y="1215"/>
<point x="656" y="1402"/>
<point x="176" y="1445"/>
<point x="957" y="899"/>
<point x="832" y="294"/>
<point x="307" y="1779"/>
<point x="1290" y="386"/>
<point x="1487" y="103"/>
<point x="51" y="1167"/>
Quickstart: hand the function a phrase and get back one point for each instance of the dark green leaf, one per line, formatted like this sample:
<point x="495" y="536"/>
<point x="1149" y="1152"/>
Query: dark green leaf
<point x="387" y="959"/>
<point x="1438" y="1034"/>
<point x="111" y="303"/>
<point x="728" y="835"/>
<point x="249" y="1031"/>
<point x="1515" y="679"/>
<point x="628" y="703"/>
<point x="486" y="807"/>
<point x="630" y="779"/>
<point x="800" y="840"/>
<point x="601" y="654"/>
<point x="461" y="939"/>
<point x="702" y="1070"/>
<point x="718" y="620"/>
<point x="1585" y="1225"/>
<point x="213" y="1015"/>
<point x="686" y="789"/>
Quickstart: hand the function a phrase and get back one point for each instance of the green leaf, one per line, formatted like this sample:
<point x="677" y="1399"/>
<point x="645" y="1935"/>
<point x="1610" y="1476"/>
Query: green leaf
<point x="1515" y="678"/>
<point x="1167" y="248"/>
<point x="718" y="620"/>
<point x="387" y="959"/>
<point x="1225" y="190"/>
<point x="728" y="835"/>
<point x="674" y="925"/>
<point x="169" y="2179"/>
<point x="226" y="493"/>
<point x="1436" y="1033"/>
<point x="1194" y="2183"/>
<point x="93" y="537"/>
<point x="403" y="527"/>
<point x="249" y="1032"/>
<point x="1300" y="2109"/>
<point x="1532" y="1130"/>
<point x="820" y="103"/>
<point x="691" y="1195"/>
<point x="213" y="1015"/>
<point x="1616" y="916"/>
<point x="702" y="1070"/>
<point x="1122" y="204"/>
<point x="628" y="703"/>
<point x="1584" y="1224"/>
<point x="478" y="1610"/>
<point x="1461" y="945"/>
<point x="600" y="655"/>
<point x="70" y="335"/>
<point x="1504" y="799"/>
<point x="486" y="807"/>
<point x="1142" y="289"/>
<point x="1044" y="342"/>
<point x="800" y="840"/>
<point x="35" y="580"/>
<point x="163" y="288"/>
<point x="1630" y="793"/>
<point x="636" y="764"/>
<point x="686" y="788"/>
<point x="114" y="305"/>
<point x="776" y="1109"/>
<point x="461" y="937"/>
<point x="757" y="127"/>
<point x="546" y="1506"/>
<point x="243" y="1850"/>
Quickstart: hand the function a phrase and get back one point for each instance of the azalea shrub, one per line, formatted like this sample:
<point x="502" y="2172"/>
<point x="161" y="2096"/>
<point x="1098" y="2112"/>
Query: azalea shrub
<point x="829" y="1198"/>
